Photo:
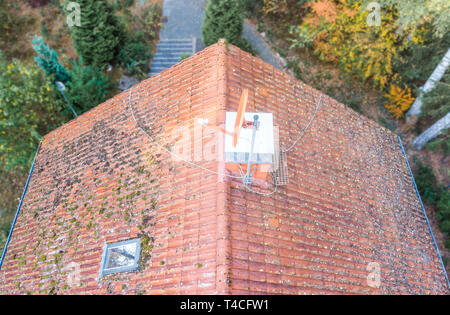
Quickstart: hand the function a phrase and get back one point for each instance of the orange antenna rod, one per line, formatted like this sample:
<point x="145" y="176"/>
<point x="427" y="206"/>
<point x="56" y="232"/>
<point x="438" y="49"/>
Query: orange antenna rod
<point x="240" y="118"/>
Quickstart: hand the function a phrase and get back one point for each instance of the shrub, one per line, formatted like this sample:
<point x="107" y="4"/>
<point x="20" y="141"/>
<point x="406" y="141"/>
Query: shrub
<point x="427" y="184"/>
<point x="293" y="66"/>
<point x="44" y="30"/>
<point x="13" y="27"/>
<point x="12" y="186"/>
<point x="135" y="54"/>
<point x="432" y="194"/>
<point x="436" y="103"/>
<point x="416" y="64"/>
<point x="117" y="5"/>
<point x="132" y="51"/>
<point x="88" y="86"/>
<point x="400" y="100"/>
<point x="184" y="56"/>
<point x="134" y="58"/>
<point x="224" y="19"/>
<point x="303" y="36"/>
<point x="29" y="109"/>
<point x="148" y="22"/>
<point x="443" y="214"/>
<point x="286" y="11"/>
<point x="38" y="3"/>
<point x="128" y="3"/>
<point x="122" y="4"/>
<point x="442" y="142"/>
<point x="6" y="19"/>
<point x="340" y="33"/>
<point x="251" y="6"/>
<point x="245" y="45"/>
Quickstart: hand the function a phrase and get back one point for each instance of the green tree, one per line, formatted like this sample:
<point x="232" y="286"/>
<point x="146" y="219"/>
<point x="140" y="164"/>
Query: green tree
<point x="29" y="109"/>
<point x="224" y="19"/>
<point x="100" y="36"/>
<point x="413" y="13"/>
<point x="48" y="60"/>
<point x="88" y="87"/>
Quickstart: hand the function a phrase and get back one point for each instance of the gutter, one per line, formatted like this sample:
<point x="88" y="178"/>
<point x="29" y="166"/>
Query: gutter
<point x="424" y="213"/>
<point x="18" y="208"/>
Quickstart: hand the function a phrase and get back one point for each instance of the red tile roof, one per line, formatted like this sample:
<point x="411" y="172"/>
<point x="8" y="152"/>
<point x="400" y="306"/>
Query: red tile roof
<point x="350" y="203"/>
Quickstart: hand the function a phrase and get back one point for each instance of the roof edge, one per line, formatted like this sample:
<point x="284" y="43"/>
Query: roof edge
<point x="430" y="230"/>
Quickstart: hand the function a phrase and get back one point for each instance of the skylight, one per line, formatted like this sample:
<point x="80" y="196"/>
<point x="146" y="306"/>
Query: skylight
<point x="120" y="257"/>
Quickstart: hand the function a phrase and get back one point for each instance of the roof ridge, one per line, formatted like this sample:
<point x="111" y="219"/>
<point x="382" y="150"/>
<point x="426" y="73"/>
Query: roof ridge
<point x="223" y="233"/>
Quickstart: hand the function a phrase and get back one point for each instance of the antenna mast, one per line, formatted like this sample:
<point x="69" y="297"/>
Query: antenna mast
<point x="248" y="177"/>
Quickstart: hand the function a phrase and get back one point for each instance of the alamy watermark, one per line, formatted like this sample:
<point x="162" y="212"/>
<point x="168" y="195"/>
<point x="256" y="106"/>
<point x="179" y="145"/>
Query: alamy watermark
<point x="73" y="274"/>
<point x="374" y="276"/>
<point x="74" y="17"/>
<point x="374" y="17"/>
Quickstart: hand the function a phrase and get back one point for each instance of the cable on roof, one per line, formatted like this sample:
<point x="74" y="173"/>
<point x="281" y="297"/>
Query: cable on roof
<point x="167" y="150"/>
<point x="255" y="191"/>
<point x="262" y="193"/>
<point x="302" y="133"/>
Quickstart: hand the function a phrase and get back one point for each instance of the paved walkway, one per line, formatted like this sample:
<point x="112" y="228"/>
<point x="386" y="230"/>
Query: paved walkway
<point x="184" y="21"/>
<point x="263" y="49"/>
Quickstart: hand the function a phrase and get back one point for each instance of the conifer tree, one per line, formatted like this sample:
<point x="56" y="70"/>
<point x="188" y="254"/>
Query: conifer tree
<point x="48" y="60"/>
<point x="100" y="36"/>
<point x="224" y="19"/>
